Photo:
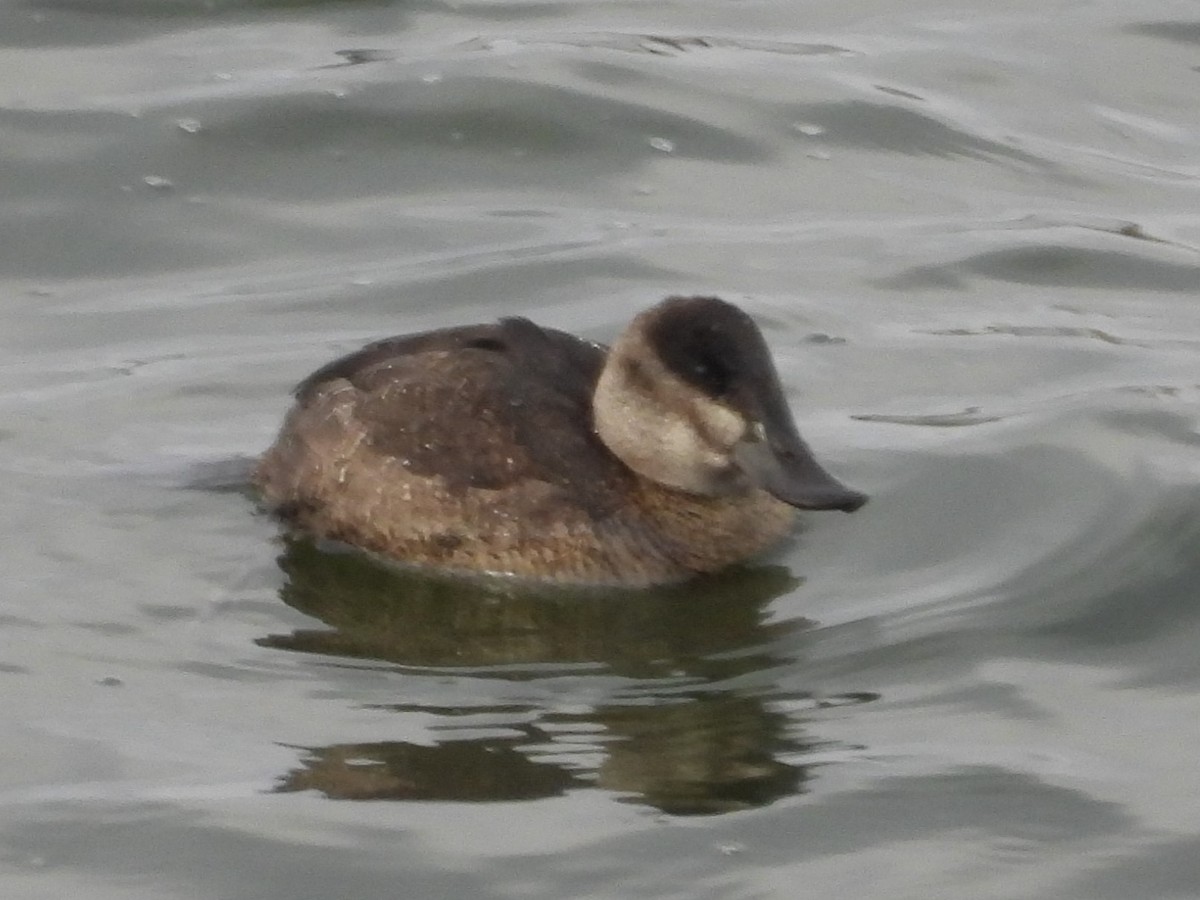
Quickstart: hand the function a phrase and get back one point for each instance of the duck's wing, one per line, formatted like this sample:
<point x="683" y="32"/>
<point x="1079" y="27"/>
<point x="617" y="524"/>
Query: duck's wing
<point x="360" y="364"/>
<point x="484" y="407"/>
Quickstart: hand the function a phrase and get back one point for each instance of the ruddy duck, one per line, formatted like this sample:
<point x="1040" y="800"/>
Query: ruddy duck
<point x="519" y="450"/>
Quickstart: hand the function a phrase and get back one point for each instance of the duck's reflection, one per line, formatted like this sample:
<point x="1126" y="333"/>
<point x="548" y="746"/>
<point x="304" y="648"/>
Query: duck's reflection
<point x="681" y="738"/>
<point x="453" y="770"/>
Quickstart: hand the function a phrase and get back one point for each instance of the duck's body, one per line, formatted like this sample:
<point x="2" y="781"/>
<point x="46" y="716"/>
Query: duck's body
<point x="477" y="449"/>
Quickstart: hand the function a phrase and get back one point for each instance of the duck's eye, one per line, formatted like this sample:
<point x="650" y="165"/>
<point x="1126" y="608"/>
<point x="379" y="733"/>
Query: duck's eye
<point x="712" y="374"/>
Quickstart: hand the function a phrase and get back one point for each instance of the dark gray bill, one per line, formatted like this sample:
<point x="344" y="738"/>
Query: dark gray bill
<point x="783" y="466"/>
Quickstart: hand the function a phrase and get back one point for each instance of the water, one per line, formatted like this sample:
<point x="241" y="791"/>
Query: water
<point x="970" y="235"/>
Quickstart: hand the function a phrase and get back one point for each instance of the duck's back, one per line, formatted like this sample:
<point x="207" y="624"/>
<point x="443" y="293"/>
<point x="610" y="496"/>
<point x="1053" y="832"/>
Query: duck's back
<point x="473" y="448"/>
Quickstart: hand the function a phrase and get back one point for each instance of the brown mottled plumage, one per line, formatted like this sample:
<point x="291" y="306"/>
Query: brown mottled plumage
<point x="518" y="450"/>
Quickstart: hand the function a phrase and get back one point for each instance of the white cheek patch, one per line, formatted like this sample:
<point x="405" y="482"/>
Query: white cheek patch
<point x="721" y="426"/>
<point x="676" y="437"/>
<point x="665" y="430"/>
<point x="682" y="457"/>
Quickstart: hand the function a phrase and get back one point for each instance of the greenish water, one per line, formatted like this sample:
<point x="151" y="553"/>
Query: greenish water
<point x="970" y="234"/>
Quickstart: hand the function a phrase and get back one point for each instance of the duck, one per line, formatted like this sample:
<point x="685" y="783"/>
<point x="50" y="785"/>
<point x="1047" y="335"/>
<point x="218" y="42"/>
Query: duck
<point x="509" y="449"/>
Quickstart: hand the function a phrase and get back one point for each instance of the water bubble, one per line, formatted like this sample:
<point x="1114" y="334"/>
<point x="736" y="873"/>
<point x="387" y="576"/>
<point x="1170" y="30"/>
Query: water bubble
<point x="361" y="55"/>
<point x="663" y="144"/>
<point x="431" y="77"/>
<point x="158" y="182"/>
<point x="191" y="126"/>
<point x="820" y="337"/>
<point x="810" y="128"/>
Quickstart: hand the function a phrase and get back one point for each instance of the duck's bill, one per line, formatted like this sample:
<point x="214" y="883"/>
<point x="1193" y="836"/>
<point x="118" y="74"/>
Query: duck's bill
<point x="788" y="471"/>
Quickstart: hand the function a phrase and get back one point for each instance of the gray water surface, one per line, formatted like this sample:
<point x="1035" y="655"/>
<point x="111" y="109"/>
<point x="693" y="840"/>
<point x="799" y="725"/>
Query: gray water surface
<point x="971" y="235"/>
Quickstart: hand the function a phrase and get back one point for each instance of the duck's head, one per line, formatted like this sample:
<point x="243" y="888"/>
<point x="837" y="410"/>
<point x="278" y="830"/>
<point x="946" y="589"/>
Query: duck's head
<point x="689" y="398"/>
